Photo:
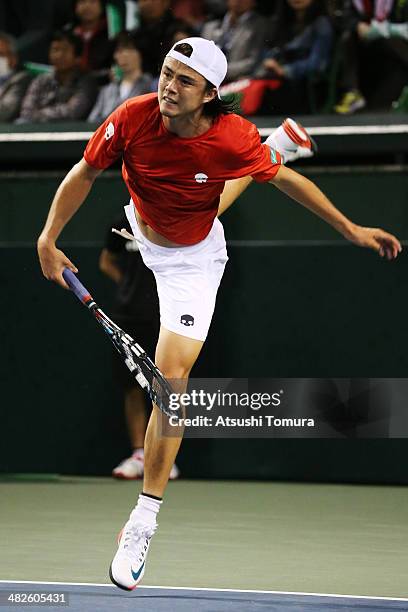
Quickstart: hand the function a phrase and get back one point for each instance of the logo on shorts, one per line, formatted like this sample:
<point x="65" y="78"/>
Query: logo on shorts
<point x="187" y="320"/>
<point x="200" y="177"/>
<point x="110" y="130"/>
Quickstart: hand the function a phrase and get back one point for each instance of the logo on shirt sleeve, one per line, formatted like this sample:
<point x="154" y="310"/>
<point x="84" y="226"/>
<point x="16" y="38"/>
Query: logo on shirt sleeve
<point x="109" y="131"/>
<point x="274" y="159"/>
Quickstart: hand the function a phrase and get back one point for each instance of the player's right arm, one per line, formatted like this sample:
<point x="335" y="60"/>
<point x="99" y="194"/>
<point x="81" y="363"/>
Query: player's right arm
<point x="105" y="146"/>
<point x="68" y="198"/>
<point x="304" y="191"/>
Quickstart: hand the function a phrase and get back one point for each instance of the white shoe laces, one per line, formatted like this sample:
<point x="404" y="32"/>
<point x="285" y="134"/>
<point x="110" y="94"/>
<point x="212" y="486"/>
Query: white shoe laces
<point x="135" y="541"/>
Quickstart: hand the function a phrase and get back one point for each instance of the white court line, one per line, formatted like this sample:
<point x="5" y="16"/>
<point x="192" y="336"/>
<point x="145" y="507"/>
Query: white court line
<point x="45" y="136"/>
<point x="211" y="590"/>
<point x="339" y="130"/>
<point x="347" y="130"/>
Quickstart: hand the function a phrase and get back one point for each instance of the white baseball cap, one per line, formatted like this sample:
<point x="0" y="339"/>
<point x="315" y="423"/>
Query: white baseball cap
<point x="207" y="59"/>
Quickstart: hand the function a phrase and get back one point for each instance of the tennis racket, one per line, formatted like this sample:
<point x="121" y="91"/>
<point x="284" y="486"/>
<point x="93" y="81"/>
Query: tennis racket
<point x="139" y="363"/>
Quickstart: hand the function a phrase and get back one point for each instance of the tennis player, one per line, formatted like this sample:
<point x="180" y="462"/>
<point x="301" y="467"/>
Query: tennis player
<point x="179" y="147"/>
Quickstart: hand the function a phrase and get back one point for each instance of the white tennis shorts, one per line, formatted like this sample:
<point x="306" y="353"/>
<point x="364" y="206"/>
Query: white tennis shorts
<point x="187" y="278"/>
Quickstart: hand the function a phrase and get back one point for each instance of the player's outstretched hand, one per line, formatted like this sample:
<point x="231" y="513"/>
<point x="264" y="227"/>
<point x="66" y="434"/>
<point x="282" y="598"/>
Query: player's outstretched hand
<point x="53" y="261"/>
<point x="377" y="239"/>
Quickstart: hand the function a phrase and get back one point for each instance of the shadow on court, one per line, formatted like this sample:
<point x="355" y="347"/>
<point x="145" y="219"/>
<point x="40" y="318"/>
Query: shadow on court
<point x="103" y="598"/>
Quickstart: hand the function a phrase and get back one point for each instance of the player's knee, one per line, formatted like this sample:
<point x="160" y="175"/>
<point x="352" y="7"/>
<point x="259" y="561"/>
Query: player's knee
<point x="175" y="372"/>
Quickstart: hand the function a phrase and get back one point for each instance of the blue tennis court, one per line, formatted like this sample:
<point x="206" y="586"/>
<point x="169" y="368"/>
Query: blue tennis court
<point x="103" y="597"/>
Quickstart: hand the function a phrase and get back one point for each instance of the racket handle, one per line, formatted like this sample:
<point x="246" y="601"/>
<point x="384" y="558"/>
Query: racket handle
<point x="76" y="286"/>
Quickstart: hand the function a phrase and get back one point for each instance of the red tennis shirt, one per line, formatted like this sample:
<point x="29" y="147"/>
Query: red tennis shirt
<point x="176" y="182"/>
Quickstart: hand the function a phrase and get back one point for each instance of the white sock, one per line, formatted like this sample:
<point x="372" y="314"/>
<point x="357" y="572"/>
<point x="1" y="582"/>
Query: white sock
<point x="146" y="510"/>
<point x="138" y="453"/>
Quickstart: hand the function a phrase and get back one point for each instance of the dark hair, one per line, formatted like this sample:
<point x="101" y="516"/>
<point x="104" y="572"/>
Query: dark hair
<point x="128" y="40"/>
<point x="285" y="22"/>
<point x="102" y="3"/>
<point x="215" y="107"/>
<point x="180" y="26"/>
<point x="184" y="48"/>
<point x="69" y="36"/>
<point x="75" y="20"/>
<point x="10" y="41"/>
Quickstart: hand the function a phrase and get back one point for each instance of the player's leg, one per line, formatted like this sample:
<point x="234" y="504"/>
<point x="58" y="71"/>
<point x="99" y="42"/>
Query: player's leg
<point x="175" y="356"/>
<point x="292" y="142"/>
<point x="132" y="468"/>
<point x="187" y="282"/>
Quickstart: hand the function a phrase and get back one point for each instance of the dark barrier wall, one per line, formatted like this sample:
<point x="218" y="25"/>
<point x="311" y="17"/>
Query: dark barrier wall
<point x="285" y="309"/>
<point x="369" y="196"/>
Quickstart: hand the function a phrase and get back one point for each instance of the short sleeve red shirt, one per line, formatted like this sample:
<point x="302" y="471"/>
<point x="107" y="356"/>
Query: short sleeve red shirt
<point x="176" y="182"/>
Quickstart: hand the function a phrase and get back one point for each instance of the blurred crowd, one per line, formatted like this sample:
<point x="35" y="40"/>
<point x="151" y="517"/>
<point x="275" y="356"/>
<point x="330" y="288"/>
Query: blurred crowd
<point x="72" y="60"/>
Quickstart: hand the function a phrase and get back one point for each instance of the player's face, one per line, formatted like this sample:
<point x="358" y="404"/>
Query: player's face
<point x="182" y="91"/>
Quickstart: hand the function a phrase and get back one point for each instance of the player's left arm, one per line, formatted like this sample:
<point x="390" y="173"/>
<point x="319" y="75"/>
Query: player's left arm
<point x="232" y="191"/>
<point x="305" y="192"/>
<point x="292" y="142"/>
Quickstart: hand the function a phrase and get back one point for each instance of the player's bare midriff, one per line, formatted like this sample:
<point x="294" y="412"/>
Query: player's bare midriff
<point x="153" y="236"/>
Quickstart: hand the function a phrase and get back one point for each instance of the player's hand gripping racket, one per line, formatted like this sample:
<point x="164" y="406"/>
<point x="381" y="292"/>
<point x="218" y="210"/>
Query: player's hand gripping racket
<point x="139" y="363"/>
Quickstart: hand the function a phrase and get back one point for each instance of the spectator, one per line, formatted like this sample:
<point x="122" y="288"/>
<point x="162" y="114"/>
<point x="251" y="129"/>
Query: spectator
<point x="301" y="37"/>
<point x="240" y="34"/>
<point x="65" y="94"/>
<point x="132" y="82"/>
<point x="13" y="81"/>
<point x="90" y="25"/>
<point x="215" y="8"/>
<point x="189" y="11"/>
<point x="375" y="55"/>
<point x="180" y="31"/>
<point x="156" y="27"/>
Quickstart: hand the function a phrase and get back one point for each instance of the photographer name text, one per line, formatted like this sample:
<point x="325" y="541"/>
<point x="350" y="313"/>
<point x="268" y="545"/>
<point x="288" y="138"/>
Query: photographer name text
<point x="268" y="420"/>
